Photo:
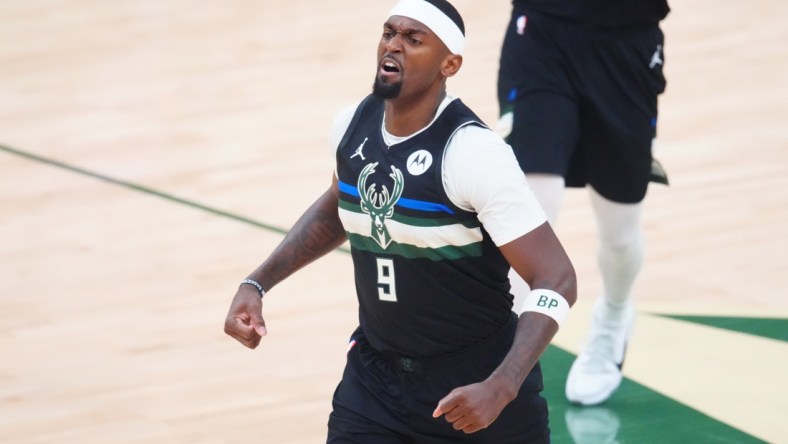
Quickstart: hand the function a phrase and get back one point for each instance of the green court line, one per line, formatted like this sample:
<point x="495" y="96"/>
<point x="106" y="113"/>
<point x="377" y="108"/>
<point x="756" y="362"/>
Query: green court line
<point x="146" y="190"/>
<point x="635" y="414"/>
<point x="774" y="328"/>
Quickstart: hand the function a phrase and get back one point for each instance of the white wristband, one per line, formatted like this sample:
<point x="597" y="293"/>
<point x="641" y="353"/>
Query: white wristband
<point x="548" y="303"/>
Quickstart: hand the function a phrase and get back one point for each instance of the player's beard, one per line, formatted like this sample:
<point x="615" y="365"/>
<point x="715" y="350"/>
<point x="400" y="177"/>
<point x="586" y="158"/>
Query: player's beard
<point x="386" y="90"/>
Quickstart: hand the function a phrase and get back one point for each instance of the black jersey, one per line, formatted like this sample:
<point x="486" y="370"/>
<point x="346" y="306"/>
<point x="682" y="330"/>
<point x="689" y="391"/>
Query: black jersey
<point x="605" y="13"/>
<point x="429" y="278"/>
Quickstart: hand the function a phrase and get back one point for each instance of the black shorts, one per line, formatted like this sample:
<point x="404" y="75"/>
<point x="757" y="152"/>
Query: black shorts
<point x="387" y="399"/>
<point x="583" y="101"/>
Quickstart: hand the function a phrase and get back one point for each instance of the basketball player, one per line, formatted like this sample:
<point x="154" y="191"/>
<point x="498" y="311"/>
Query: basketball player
<point x="436" y="210"/>
<point x="577" y="88"/>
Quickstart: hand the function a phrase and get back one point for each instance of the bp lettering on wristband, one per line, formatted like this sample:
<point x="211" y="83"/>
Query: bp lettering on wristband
<point x="548" y="303"/>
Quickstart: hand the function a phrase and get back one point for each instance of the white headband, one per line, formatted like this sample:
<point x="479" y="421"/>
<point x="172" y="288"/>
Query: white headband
<point x="433" y="18"/>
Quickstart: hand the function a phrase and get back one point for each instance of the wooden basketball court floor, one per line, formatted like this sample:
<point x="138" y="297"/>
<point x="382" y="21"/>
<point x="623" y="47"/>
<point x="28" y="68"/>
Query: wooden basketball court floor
<point x="153" y="152"/>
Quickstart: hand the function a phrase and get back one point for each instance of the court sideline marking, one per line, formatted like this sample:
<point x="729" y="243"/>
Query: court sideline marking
<point x="141" y="188"/>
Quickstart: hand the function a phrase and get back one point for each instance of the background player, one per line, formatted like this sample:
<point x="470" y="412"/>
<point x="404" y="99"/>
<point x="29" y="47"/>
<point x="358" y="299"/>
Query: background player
<point x="577" y="88"/>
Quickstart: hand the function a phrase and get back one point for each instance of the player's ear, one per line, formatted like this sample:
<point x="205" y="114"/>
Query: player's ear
<point x="451" y="64"/>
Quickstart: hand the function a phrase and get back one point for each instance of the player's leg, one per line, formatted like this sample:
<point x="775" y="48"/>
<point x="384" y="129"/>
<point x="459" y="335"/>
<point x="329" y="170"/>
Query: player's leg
<point x="348" y="427"/>
<point x="617" y="132"/>
<point x="596" y="373"/>
<point x="549" y="191"/>
<point x="620" y="251"/>
<point x="362" y="404"/>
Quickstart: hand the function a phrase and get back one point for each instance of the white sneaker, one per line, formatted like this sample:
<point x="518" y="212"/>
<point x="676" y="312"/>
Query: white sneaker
<point x="596" y="373"/>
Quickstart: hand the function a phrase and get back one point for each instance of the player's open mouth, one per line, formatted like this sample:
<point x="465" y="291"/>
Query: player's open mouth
<point x="389" y="67"/>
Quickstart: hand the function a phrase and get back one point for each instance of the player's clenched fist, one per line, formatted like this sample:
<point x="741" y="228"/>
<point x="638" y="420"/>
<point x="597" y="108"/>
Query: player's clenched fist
<point x="473" y="407"/>
<point x="244" y="321"/>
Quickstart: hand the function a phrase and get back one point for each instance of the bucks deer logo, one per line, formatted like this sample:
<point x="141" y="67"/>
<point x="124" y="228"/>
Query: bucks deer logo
<point x="379" y="206"/>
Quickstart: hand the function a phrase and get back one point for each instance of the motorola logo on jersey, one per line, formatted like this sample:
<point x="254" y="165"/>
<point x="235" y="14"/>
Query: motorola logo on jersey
<point x="419" y="162"/>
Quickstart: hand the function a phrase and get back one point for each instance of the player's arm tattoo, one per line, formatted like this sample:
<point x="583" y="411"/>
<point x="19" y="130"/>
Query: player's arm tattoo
<point x="317" y="232"/>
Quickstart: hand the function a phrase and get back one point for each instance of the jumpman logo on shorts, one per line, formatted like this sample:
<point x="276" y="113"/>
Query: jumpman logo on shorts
<point x="656" y="58"/>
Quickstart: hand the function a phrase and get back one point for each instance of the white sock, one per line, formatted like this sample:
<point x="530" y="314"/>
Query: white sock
<point x="621" y="251"/>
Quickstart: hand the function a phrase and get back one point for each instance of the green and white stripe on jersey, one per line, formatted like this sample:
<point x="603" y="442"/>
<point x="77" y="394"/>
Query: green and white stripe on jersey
<point x="413" y="237"/>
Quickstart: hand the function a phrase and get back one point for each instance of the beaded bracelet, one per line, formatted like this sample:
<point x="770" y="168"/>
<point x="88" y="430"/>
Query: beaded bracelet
<point x="254" y="284"/>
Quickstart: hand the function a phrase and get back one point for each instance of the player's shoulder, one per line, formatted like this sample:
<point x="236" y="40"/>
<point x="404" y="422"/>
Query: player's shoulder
<point x="475" y="135"/>
<point x="346" y="112"/>
<point x="344" y="116"/>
